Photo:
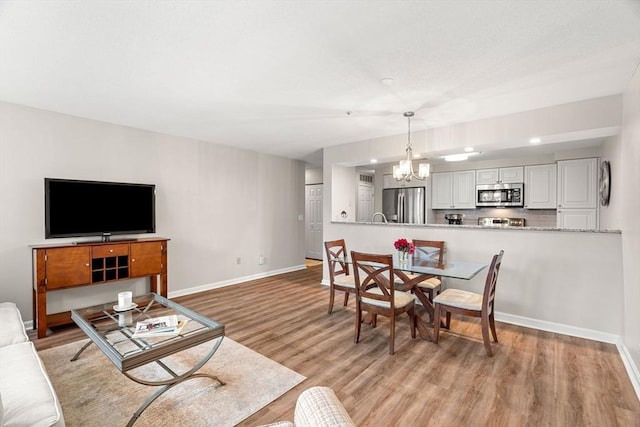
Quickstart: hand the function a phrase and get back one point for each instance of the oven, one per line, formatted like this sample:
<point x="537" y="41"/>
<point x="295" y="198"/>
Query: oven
<point x="500" y="195"/>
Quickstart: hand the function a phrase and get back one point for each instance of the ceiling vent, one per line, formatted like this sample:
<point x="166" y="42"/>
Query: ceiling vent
<point x="366" y="178"/>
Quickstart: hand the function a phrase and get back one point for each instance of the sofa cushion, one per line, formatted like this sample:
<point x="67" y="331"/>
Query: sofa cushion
<point x="12" y="330"/>
<point x="27" y="395"/>
<point x="319" y="406"/>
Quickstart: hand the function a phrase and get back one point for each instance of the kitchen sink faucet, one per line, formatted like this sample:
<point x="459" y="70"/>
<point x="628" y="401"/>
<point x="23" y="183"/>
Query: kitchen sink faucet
<point x="384" y="218"/>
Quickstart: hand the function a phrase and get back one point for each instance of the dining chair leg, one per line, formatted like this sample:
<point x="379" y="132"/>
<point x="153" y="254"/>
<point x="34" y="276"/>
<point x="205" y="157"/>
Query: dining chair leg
<point x="332" y="293"/>
<point x="448" y="321"/>
<point x="412" y="321"/>
<point x="436" y="322"/>
<point x="356" y="338"/>
<point x="484" y="323"/>
<point x="346" y="298"/>
<point x="492" y="323"/>
<point x="392" y="333"/>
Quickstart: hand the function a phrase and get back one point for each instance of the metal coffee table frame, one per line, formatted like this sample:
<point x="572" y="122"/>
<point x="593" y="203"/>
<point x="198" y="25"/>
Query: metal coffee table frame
<point x="101" y="324"/>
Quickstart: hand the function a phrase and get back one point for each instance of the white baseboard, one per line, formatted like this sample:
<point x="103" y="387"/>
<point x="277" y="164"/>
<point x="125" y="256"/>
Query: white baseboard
<point x="559" y="328"/>
<point x="234" y="281"/>
<point x="632" y="369"/>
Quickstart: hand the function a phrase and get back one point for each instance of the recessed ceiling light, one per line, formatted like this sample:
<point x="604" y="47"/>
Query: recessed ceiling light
<point x="387" y="81"/>
<point x="468" y="149"/>
<point x="456" y="157"/>
<point x="459" y="157"/>
<point x="416" y="155"/>
<point x="535" y="140"/>
<point x="374" y="160"/>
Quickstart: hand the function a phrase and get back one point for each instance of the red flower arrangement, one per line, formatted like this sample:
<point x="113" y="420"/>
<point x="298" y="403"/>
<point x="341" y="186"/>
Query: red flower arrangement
<point x="404" y="246"/>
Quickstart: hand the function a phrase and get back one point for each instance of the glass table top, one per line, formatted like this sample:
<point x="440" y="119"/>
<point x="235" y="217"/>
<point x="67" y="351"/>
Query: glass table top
<point x="113" y="331"/>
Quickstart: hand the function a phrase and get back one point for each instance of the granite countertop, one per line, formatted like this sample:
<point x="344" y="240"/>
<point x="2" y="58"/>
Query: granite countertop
<point x="475" y="227"/>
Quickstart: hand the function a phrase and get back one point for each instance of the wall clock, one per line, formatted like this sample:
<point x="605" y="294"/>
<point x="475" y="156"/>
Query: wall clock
<point x="605" y="183"/>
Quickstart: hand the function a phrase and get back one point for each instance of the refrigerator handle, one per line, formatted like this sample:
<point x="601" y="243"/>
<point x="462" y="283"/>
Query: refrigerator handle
<point x="401" y="217"/>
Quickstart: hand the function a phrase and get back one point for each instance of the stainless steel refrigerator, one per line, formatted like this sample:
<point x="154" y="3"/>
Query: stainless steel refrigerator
<point x="404" y="205"/>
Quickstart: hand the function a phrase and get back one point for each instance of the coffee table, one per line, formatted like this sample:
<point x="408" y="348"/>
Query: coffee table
<point x="113" y="332"/>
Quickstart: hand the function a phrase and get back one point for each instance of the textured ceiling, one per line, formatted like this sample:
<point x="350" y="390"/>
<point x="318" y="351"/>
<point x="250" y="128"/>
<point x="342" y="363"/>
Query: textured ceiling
<point x="279" y="76"/>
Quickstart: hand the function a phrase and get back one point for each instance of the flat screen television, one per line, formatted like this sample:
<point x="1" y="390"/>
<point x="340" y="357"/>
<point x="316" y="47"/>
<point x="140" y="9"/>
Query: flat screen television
<point x="75" y="208"/>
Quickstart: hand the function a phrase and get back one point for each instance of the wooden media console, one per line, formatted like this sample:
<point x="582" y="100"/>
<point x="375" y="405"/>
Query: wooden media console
<point x="67" y="266"/>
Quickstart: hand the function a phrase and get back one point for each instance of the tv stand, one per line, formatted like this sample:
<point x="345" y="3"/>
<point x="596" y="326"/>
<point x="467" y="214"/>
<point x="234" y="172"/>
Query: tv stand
<point x="79" y="264"/>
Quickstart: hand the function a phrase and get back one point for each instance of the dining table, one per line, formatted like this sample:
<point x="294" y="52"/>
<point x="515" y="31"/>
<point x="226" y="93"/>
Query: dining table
<point x="414" y="269"/>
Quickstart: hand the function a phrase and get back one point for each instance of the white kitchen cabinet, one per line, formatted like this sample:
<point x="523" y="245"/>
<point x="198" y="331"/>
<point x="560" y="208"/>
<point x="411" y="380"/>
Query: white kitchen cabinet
<point x="500" y="176"/>
<point x="453" y="190"/>
<point x="580" y="219"/>
<point x="577" y="194"/>
<point x="577" y="184"/>
<point x="540" y="186"/>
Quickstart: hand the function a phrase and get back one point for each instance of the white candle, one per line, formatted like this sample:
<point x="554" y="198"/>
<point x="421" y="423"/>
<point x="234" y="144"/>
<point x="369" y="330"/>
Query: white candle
<point x="125" y="299"/>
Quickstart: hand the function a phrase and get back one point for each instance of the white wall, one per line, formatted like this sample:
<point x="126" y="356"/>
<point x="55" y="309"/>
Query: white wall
<point x="214" y="202"/>
<point x="630" y="194"/>
<point x="611" y="215"/>
<point x="313" y="176"/>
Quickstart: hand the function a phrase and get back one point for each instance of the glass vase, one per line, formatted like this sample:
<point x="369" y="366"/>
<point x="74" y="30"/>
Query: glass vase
<point x="403" y="257"/>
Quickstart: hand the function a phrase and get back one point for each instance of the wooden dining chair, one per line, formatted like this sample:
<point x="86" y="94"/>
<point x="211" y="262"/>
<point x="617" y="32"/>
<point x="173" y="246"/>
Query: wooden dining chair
<point x="339" y="277"/>
<point x="375" y="293"/>
<point x="471" y="304"/>
<point x="430" y="251"/>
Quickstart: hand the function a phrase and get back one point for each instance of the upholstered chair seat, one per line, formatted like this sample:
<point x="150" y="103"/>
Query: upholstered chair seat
<point x="460" y="298"/>
<point x="346" y="281"/>
<point x="402" y="299"/>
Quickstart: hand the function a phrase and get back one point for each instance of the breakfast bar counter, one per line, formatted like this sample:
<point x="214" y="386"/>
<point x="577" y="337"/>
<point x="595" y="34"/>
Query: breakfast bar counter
<point x="474" y="226"/>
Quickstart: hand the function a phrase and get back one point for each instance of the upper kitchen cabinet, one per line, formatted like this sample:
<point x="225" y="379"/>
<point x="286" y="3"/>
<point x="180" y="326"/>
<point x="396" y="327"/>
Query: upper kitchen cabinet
<point x="540" y="186"/>
<point x="577" y="194"/>
<point x="577" y="183"/>
<point x="453" y="190"/>
<point x="500" y="176"/>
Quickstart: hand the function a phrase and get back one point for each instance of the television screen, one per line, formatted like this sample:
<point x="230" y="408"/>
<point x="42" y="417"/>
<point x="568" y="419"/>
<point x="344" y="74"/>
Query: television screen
<point x="92" y="208"/>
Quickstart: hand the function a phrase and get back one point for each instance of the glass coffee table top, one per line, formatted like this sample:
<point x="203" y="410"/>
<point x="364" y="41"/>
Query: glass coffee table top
<point x="113" y="331"/>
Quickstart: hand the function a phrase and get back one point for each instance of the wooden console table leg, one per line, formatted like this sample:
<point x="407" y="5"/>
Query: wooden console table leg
<point x="39" y="294"/>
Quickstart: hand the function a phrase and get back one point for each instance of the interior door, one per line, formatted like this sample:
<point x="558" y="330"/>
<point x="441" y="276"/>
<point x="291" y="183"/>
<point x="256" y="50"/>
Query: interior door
<point x="365" y="203"/>
<point x="313" y="223"/>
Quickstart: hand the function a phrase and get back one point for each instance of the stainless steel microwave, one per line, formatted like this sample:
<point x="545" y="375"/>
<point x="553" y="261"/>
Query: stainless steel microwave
<point x="500" y="195"/>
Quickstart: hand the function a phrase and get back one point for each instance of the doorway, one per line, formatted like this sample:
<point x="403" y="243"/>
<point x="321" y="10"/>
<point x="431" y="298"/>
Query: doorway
<point x="313" y="221"/>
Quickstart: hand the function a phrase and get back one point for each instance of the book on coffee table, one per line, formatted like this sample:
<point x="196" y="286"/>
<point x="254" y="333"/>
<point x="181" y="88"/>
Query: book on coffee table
<point x="159" y="326"/>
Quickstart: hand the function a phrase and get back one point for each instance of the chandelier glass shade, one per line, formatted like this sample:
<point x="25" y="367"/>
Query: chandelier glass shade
<point x="403" y="171"/>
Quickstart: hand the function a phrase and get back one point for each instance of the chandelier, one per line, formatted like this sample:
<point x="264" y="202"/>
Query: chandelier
<point x="403" y="171"/>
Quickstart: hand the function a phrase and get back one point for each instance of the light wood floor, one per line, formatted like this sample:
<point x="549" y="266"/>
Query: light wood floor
<point x="536" y="378"/>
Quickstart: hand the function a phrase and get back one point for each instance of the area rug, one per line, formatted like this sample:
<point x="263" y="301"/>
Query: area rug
<point x="93" y="392"/>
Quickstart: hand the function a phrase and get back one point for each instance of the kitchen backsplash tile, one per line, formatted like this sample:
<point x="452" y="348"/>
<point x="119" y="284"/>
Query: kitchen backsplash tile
<point x="533" y="217"/>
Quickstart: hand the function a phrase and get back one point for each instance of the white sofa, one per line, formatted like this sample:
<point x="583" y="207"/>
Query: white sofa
<point x="27" y="397"/>
<point x="318" y="407"/>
